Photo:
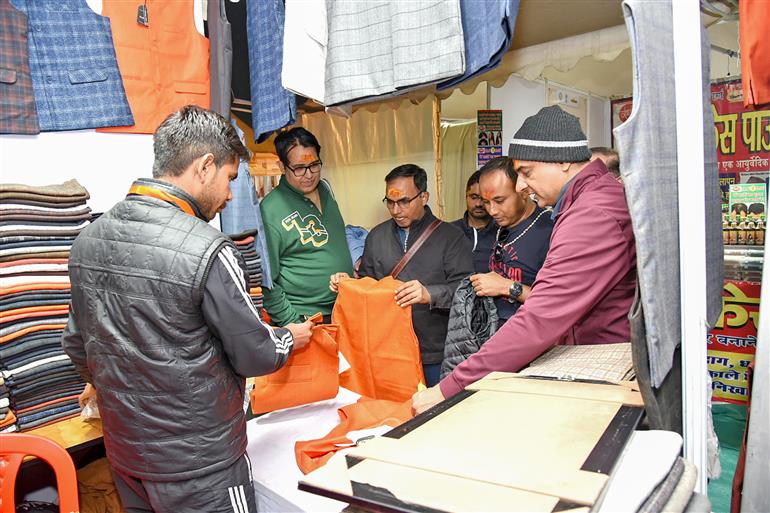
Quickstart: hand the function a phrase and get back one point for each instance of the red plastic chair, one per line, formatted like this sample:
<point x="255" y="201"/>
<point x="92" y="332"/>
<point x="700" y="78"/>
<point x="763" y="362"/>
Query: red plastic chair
<point x="14" y="447"/>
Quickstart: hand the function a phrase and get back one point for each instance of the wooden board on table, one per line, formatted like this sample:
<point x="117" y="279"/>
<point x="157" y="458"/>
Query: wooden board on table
<point x="529" y="442"/>
<point x="70" y="433"/>
<point x="623" y="393"/>
<point x="397" y="488"/>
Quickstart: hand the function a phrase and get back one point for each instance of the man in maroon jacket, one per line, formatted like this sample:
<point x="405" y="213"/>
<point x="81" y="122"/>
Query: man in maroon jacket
<point x="584" y="290"/>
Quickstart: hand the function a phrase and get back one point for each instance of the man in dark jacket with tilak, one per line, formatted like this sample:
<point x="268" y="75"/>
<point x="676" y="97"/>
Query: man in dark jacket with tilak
<point x="162" y="327"/>
<point x="432" y="275"/>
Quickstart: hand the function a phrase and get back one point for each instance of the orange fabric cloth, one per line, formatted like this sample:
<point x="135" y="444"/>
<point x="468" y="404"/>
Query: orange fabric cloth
<point x="365" y="414"/>
<point x="244" y="242"/>
<point x="28" y="287"/>
<point x="310" y="374"/>
<point x="9" y="419"/>
<point x="164" y="65"/>
<point x="31" y="329"/>
<point x="30" y="261"/>
<point x="377" y="339"/>
<point x="755" y="52"/>
<point x="152" y="192"/>
<point x="33" y="311"/>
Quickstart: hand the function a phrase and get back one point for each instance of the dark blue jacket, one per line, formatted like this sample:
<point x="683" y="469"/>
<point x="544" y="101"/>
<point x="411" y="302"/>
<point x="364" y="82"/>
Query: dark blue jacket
<point x="482" y="241"/>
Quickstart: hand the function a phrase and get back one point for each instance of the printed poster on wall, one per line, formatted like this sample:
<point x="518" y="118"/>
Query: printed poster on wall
<point x="732" y="343"/>
<point x="742" y="138"/>
<point x="489" y="128"/>
<point x="750" y="198"/>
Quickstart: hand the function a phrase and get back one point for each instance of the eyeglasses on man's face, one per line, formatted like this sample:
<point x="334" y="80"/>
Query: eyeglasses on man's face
<point x="402" y="203"/>
<point x="300" y="171"/>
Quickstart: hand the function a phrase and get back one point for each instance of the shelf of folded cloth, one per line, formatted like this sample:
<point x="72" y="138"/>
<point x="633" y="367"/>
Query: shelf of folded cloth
<point x="38" y="225"/>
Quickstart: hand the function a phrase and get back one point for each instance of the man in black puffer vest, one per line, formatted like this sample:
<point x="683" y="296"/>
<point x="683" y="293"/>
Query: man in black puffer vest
<point x="162" y="327"/>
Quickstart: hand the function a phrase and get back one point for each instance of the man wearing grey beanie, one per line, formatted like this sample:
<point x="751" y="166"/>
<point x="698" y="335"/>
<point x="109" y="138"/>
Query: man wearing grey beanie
<point x="584" y="290"/>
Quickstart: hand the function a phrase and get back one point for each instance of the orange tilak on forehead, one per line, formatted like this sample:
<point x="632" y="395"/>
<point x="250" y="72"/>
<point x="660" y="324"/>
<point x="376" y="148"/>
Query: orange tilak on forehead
<point x="307" y="157"/>
<point x="396" y="194"/>
<point x="487" y="196"/>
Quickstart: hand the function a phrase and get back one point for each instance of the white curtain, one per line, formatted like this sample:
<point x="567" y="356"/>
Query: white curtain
<point x="458" y="163"/>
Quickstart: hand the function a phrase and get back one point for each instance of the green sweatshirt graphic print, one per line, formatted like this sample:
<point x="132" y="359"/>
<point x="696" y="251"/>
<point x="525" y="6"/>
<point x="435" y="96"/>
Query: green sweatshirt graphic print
<point x="306" y="247"/>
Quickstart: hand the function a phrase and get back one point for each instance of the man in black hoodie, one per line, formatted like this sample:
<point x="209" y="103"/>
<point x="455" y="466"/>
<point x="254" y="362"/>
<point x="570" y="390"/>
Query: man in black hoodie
<point x="477" y="225"/>
<point x="432" y="275"/>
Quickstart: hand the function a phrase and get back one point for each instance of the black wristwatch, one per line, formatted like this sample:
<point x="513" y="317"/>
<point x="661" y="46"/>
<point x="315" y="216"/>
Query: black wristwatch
<point x="514" y="291"/>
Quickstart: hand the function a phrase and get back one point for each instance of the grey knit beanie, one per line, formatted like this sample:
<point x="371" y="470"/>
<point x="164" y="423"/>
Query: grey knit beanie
<point x="551" y="135"/>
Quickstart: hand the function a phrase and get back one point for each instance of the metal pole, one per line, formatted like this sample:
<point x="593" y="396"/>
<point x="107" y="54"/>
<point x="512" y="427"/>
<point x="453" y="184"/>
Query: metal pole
<point x="692" y="235"/>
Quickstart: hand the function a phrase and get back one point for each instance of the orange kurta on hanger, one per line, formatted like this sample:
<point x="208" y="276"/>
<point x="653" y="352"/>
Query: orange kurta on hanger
<point x="163" y="59"/>
<point x="311" y="374"/>
<point x="755" y="65"/>
<point x="377" y="338"/>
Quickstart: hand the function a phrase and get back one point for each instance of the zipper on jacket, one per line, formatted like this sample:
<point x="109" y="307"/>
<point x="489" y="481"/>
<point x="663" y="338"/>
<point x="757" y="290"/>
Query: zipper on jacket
<point x="406" y="239"/>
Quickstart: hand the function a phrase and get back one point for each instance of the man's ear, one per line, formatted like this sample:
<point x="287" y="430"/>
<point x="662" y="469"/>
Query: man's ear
<point x="565" y="166"/>
<point x="204" y="167"/>
<point x="425" y="198"/>
<point x="282" y="167"/>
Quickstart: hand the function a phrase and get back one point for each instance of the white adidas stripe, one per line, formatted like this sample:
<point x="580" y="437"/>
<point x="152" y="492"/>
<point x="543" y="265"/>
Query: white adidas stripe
<point x="236" y="509"/>
<point x="236" y="491"/>
<point x="282" y="345"/>
<point x="243" y="500"/>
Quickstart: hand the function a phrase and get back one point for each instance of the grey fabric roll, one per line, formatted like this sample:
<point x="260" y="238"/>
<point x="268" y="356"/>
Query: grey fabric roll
<point x="662" y="493"/>
<point x="221" y="57"/>
<point x="647" y="144"/>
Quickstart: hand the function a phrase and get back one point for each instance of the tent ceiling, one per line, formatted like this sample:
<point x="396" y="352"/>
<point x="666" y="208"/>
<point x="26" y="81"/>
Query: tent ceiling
<point x="540" y="21"/>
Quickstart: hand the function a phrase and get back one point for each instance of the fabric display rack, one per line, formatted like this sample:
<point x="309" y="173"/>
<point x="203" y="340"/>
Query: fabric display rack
<point x="246" y="244"/>
<point x="38" y="383"/>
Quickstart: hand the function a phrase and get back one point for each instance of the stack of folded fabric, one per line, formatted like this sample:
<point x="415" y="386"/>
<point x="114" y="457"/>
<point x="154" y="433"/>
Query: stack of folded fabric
<point x="7" y="417"/>
<point x="38" y="226"/>
<point x="245" y="242"/>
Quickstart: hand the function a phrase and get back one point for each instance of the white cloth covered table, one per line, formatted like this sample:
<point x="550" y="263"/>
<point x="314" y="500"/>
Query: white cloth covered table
<point x="271" y="451"/>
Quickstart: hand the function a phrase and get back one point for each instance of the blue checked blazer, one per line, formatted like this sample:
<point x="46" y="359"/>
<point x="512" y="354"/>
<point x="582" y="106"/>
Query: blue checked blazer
<point x="272" y="106"/>
<point x="75" y="72"/>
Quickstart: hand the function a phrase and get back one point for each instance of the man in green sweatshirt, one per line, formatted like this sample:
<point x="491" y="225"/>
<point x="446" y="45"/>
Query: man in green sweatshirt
<point x="305" y="233"/>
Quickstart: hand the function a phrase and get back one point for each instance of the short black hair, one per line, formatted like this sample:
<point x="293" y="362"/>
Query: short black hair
<point x="473" y="180"/>
<point x="498" y="164"/>
<point x="417" y="173"/>
<point x="757" y="208"/>
<point x="297" y="136"/>
<point x="189" y="133"/>
<point x="613" y="158"/>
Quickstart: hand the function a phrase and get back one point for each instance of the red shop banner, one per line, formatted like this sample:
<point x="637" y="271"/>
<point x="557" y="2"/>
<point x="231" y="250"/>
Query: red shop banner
<point x="733" y="341"/>
<point x="742" y="137"/>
